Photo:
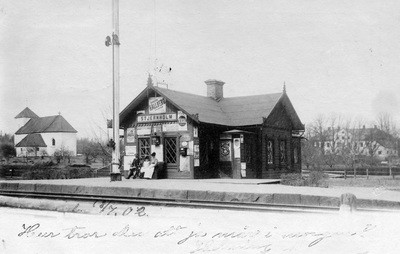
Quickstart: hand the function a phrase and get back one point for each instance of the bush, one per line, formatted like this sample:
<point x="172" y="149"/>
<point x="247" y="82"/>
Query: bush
<point x="292" y="179"/>
<point x="317" y="178"/>
<point x="7" y="150"/>
<point x="314" y="179"/>
<point x="48" y="170"/>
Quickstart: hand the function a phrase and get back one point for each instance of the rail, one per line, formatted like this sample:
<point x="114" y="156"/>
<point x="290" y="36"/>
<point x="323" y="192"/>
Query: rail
<point x="241" y="206"/>
<point x="174" y="202"/>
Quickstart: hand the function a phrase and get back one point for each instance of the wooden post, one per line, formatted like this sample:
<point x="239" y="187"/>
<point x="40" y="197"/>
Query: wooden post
<point x="348" y="203"/>
<point x="345" y="174"/>
<point x="115" y="165"/>
<point x="367" y="174"/>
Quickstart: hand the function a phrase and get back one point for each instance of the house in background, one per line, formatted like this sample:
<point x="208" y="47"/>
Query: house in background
<point x="39" y="136"/>
<point x="372" y="142"/>
<point x="212" y="136"/>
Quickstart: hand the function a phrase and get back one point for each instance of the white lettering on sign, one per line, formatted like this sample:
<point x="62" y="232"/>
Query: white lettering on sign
<point x="156" y="118"/>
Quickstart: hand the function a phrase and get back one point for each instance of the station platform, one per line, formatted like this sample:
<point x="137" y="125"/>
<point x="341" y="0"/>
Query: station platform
<point x="260" y="191"/>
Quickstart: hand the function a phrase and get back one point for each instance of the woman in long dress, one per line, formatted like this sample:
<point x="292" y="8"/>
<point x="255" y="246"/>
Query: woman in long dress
<point x="147" y="168"/>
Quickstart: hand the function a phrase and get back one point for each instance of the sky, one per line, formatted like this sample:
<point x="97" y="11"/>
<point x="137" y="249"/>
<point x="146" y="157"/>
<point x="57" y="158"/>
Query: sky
<point x="339" y="56"/>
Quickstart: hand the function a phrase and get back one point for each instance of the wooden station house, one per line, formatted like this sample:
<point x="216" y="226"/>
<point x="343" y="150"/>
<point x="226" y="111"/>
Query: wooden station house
<point x="212" y="136"/>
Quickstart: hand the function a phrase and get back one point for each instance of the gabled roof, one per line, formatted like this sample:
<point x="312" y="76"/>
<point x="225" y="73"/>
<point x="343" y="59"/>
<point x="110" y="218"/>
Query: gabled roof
<point x="233" y="111"/>
<point x="26" y="113"/>
<point x="208" y="109"/>
<point x="46" y="124"/>
<point x="375" y="134"/>
<point x="32" y="140"/>
<point x="249" y="110"/>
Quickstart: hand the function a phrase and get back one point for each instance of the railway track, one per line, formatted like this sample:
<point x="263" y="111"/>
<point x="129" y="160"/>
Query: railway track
<point x="205" y="204"/>
<point x="174" y="202"/>
<point x="187" y="203"/>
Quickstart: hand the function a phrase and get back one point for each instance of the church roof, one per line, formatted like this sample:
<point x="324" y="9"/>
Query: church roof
<point x="32" y="140"/>
<point x="26" y="113"/>
<point x="46" y="124"/>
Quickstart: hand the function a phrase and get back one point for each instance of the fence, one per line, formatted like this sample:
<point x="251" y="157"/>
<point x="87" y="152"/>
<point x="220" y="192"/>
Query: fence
<point x="349" y="172"/>
<point x="16" y="171"/>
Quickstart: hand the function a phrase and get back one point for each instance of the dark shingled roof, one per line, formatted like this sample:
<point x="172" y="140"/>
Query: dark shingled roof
<point x="46" y="124"/>
<point x="32" y="140"/>
<point x="27" y="113"/>
<point x="249" y="110"/>
<point x="234" y="111"/>
<point x="208" y="109"/>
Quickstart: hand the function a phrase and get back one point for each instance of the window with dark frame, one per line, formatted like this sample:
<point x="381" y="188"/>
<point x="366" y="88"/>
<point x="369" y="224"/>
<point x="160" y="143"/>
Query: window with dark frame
<point x="270" y="151"/>
<point x="170" y="150"/>
<point x="282" y="151"/>
<point x="295" y="154"/>
<point x="248" y="151"/>
<point x="144" y="147"/>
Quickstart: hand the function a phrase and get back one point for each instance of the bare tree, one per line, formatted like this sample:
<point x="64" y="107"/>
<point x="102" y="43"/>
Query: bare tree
<point x="386" y="123"/>
<point x="391" y="134"/>
<point x="62" y="153"/>
<point x="334" y="121"/>
<point x="310" y="153"/>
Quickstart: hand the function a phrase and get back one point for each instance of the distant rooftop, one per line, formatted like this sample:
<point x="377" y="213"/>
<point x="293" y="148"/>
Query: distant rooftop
<point x="27" y="113"/>
<point x="46" y="124"/>
<point x="32" y="140"/>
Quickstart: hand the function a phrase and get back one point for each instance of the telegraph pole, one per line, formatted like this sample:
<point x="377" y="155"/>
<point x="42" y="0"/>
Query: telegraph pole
<point x="114" y="143"/>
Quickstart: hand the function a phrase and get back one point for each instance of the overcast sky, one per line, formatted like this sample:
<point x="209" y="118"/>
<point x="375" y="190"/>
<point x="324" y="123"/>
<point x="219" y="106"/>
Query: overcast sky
<point x="334" y="56"/>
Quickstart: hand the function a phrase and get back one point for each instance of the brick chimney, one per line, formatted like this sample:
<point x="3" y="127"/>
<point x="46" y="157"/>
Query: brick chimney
<point x="215" y="89"/>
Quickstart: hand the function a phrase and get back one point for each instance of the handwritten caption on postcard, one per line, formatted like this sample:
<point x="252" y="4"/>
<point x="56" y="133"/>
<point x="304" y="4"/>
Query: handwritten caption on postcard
<point x="198" y="239"/>
<point x="175" y="229"/>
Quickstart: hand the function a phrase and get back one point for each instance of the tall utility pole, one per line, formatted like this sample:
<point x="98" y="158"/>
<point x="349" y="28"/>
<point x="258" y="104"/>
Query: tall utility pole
<point x="114" y="143"/>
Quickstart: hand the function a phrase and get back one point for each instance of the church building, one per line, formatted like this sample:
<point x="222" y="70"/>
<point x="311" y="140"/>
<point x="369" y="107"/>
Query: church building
<point x="42" y="136"/>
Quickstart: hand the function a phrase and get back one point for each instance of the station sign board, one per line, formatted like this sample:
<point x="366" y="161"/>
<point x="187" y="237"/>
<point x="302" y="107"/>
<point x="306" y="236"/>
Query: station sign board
<point x="156" y="118"/>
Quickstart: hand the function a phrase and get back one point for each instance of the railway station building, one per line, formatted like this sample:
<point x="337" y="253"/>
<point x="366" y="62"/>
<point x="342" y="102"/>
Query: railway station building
<point x="212" y="136"/>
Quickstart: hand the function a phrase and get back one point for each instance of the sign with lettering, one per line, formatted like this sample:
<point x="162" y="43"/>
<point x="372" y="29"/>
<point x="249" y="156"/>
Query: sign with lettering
<point x="156" y="118"/>
<point x="225" y="150"/>
<point x="182" y="121"/>
<point x="169" y="127"/>
<point x="157" y="105"/>
<point x="130" y="150"/>
<point x="130" y="137"/>
<point x="143" y="130"/>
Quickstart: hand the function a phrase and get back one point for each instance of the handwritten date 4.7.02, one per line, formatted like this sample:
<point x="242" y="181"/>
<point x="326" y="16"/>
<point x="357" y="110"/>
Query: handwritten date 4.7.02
<point x="109" y="208"/>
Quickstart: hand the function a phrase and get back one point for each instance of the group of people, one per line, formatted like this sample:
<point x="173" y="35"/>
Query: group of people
<point x="143" y="168"/>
